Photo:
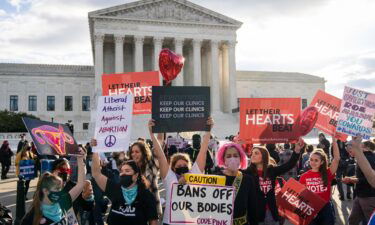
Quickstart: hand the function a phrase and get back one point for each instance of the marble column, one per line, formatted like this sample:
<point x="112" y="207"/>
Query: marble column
<point x="99" y="39"/>
<point x="179" y="43"/>
<point x="232" y="75"/>
<point x="138" y="53"/>
<point x="158" y="43"/>
<point x="225" y="79"/>
<point x="119" y="53"/>
<point x="197" y="79"/>
<point x="215" y="77"/>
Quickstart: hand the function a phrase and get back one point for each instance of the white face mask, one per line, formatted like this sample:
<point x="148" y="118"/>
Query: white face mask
<point x="232" y="163"/>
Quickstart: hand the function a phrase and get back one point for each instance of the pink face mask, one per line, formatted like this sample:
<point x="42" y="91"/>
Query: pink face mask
<point x="232" y="163"/>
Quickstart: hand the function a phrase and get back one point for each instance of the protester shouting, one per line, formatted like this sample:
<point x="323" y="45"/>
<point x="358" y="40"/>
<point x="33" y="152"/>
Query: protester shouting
<point x="179" y="164"/>
<point x="24" y="154"/>
<point x="5" y="159"/>
<point x="51" y="202"/>
<point x="132" y="203"/>
<point x="149" y="167"/>
<point x="232" y="157"/>
<point x="319" y="180"/>
<point x="265" y="176"/>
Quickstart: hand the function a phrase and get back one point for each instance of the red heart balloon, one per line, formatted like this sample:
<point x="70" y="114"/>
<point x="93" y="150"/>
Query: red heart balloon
<point x="170" y="64"/>
<point x="308" y="118"/>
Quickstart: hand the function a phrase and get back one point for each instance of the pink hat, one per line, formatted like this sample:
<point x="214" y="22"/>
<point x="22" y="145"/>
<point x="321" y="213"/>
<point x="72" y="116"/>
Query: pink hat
<point x="224" y="147"/>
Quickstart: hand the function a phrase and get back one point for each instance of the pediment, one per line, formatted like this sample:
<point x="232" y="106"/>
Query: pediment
<point x="165" y="11"/>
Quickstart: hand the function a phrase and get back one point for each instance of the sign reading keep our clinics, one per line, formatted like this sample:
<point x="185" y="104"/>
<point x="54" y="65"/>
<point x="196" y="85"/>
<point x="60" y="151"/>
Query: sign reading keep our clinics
<point x="113" y="123"/>
<point x="356" y="113"/>
<point x="201" y="204"/>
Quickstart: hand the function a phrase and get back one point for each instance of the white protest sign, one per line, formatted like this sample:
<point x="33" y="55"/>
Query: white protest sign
<point x="356" y="113"/>
<point x="178" y="142"/>
<point x="113" y="123"/>
<point x="201" y="204"/>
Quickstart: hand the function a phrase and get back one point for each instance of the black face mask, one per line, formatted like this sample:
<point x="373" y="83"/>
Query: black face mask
<point x="126" y="180"/>
<point x="181" y="170"/>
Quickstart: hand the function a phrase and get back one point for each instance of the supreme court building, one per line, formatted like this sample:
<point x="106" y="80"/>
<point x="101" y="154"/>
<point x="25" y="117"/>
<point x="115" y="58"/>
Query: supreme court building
<point x="128" y="38"/>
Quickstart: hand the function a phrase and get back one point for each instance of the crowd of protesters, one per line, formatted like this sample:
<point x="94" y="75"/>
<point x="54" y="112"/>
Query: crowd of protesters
<point x="128" y="183"/>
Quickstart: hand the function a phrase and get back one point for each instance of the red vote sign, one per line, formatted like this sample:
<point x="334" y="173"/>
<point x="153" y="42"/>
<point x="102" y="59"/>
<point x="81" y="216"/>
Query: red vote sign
<point x="139" y="84"/>
<point x="269" y="120"/>
<point x="298" y="204"/>
<point x="328" y="107"/>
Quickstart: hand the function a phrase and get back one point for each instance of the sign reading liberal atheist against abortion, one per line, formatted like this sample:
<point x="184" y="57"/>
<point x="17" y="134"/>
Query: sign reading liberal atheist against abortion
<point x="201" y="204"/>
<point x="357" y="113"/>
<point x="51" y="138"/>
<point x="328" y="107"/>
<point x="269" y="120"/>
<point x="113" y="123"/>
<point x="177" y="109"/>
<point x="139" y="84"/>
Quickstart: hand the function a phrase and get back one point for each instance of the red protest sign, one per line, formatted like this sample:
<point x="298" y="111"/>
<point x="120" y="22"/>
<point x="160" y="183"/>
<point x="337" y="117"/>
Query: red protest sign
<point x="328" y="107"/>
<point x="269" y="120"/>
<point x="139" y="84"/>
<point x="298" y="204"/>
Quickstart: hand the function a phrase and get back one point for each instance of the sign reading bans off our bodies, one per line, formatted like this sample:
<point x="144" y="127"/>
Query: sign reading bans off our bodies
<point x="269" y="120"/>
<point x="357" y="113"/>
<point x="328" y="107"/>
<point x="201" y="204"/>
<point x="139" y="84"/>
<point x="178" y="109"/>
<point x="113" y="123"/>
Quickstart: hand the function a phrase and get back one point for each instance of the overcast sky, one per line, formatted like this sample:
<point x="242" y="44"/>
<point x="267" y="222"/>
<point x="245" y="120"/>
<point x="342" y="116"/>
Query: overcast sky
<point x="334" y="39"/>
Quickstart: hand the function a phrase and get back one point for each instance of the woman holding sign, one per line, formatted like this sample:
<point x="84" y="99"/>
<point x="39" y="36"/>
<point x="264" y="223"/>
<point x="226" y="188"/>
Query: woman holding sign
<point x="51" y="203"/>
<point x="265" y="178"/>
<point x="232" y="157"/>
<point x="132" y="203"/>
<point x="179" y="164"/>
<point x="24" y="154"/>
<point x="319" y="180"/>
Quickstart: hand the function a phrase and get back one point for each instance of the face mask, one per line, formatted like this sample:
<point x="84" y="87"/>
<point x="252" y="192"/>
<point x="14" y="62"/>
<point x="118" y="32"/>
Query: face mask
<point x="129" y="194"/>
<point x="126" y="180"/>
<point x="52" y="212"/>
<point x="232" y="163"/>
<point x="90" y="199"/>
<point x="182" y="170"/>
<point x="55" y="196"/>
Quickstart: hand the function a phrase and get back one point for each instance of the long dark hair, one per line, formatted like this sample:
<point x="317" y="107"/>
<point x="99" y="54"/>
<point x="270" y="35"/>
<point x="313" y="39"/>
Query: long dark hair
<point x="47" y="180"/>
<point x="323" y="167"/>
<point x="145" y="151"/>
<point x="140" y="179"/>
<point x="265" y="161"/>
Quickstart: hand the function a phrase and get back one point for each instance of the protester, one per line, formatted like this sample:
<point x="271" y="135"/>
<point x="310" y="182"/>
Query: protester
<point x="343" y="170"/>
<point x="5" y="159"/>
<point x="51" y="202"/>
<point x="21" y="143"/>
<point x="141" y="154"/>
<point x="265" y="175"/>
<point x="86" y="214"/>
<point x="24" y="154"/>
<point x="180" y="164"/>
<point x="306" y="157"/>
<point x="132" y="203"/>
<point x="285" y="156"/>
<point x="364" y="202"/>
<point x="324" y="144"/>
<point x="319" y="180"/>
<point x="232" y="158"/>
<point x="273" y="153"/>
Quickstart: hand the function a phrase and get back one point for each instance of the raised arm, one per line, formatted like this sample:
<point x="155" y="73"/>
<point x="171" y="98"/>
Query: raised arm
<point x="336" y="156"/>
<point x="362" y="162"/>
<point x="158" y="151"/>
<point x="279" y="170"/>
<point x="100" y="179"/>
<point x="77" y="189"/>
<point x="202" y="155"/>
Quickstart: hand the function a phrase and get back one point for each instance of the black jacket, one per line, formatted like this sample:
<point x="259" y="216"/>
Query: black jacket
<point x="363" y="189"/>
<point x="270" y="199"/>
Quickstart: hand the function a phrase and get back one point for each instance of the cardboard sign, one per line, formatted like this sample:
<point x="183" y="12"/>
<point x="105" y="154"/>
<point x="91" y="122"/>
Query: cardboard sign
<point x="178" y="142"/>
<point x="201" y="204"/>
<point x="113" y="123"/>
<point x="357" y="113"/>
<point x="269" y="120"/>
<point x="177" y="109"/>
<point x="297" y="203"/>
<point x="205" y="179"/>
<point x="71" y="217"/>
<point x="27" y="169"/>
<point x="139" y="84"/>
<point x="51" y="138"/>
<point x="329" y="109"/>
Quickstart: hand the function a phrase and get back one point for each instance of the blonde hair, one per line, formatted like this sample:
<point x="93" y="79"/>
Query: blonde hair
<point x="180" y="156"/>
